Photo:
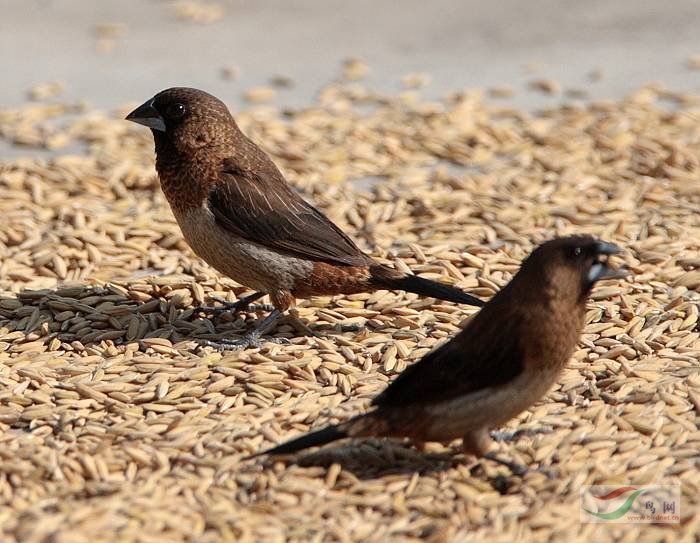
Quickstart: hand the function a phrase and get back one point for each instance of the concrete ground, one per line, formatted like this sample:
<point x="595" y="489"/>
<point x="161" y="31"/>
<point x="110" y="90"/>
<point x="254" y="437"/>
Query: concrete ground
<point x="468" y="43"/>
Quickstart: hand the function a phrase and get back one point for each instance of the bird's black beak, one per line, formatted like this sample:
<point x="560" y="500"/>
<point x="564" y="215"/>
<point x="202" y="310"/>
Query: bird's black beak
<point x="600" y="269"/>
<point x="606" y="248"/>
<point x="147" y="115"/>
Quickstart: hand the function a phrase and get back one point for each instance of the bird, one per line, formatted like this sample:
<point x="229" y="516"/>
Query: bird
<point x="239" y="214"/>
<point x="504" y="360"/>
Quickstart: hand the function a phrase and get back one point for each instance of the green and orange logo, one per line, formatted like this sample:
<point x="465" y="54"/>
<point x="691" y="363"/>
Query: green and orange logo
<point x="605" y="503"/>
<point x="622" y="510"/>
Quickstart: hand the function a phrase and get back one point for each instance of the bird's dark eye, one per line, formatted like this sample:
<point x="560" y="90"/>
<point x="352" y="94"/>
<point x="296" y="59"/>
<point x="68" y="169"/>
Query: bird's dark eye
<point x="575" y="253"/>
<point x="176" y="110"/>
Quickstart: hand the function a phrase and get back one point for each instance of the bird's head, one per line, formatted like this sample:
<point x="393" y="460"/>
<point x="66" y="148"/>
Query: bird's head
<point x="572" y="265"/>
<point x="189" y="119"/>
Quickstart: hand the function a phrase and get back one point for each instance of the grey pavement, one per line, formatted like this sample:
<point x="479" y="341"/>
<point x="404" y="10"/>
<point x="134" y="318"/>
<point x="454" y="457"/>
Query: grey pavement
<point x="462" y="44"/>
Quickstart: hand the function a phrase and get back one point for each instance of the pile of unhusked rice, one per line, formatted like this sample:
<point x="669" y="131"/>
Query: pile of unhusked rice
<point x="115" y="425"/>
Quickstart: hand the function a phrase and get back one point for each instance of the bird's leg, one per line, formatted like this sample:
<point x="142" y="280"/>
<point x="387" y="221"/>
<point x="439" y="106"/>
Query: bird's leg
<point x="516" y="434"/>
<point x="514" y="467"/>
<point x="519" y="469"/>
<point x="251" y="339"/>
<point x="478" y="443"/>
<point x="236" y="307"/>
<point x="297" y="323"/>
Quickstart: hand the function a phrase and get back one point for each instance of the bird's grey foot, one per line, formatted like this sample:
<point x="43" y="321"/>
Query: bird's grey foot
<point x="351" y="328"/>
<point x="252" y="339"/>
<point x="299" y="325"/>
<point x="513" y="436"/>
<point x="549" y="473"/>
<point x="236" y="307"/>
<point x="519" y="469"/>
<point x="514" y="467"/>
<point x="247" y="342"/>
<point x="259" y="308"/>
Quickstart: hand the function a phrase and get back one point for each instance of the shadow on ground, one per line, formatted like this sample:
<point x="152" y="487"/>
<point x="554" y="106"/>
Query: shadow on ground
<point x="376" y="458"/>
<point x="90" y="315"/>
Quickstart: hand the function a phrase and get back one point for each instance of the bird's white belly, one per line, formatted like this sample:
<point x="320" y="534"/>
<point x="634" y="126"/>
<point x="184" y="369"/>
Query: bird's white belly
<point x="491" y="407"/>
<point x="247" y="263"/>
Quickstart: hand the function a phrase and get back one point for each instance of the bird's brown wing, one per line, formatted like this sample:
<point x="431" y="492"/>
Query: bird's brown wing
<point x="261" y="207"/>
<point x="487" y="353"/>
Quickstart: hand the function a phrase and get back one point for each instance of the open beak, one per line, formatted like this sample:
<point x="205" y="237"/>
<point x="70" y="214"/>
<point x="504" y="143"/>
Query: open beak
<point x="147" y="115"/>
<point x="600" y="269"/>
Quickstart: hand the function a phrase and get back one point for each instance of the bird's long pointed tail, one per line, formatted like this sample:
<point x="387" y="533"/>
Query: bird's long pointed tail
<point x="312" y="439"/>
<point x="389" y="279"/>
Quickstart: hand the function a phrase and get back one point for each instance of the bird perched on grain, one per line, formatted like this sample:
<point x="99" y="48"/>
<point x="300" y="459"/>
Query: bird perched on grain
<point x="504" y="360"/>
<point x="238" y="213"/>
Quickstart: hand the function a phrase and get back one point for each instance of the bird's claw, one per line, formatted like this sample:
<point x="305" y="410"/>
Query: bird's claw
<point x="514" y="435"/>
<point x="257" y="308"/>
<point x="243" y="343"/>
<point x="517" y="469"/>
<point x="514" y="467"/>
<point x="520" y="470"/>
<point x="211" y="310"/>
<point x="237" y="345"/>
<point x="242" y="304"/>
<point x="226" y="307"/>
<point x="549" y="473"/>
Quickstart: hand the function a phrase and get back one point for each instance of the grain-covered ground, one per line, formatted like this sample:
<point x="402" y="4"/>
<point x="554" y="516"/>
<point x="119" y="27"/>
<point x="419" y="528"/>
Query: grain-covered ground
<point x="115" y="425"/>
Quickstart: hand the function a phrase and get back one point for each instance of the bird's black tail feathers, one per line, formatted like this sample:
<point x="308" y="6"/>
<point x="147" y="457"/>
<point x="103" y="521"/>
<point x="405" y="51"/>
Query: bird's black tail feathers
<point x="422" y="286"/>
<point x="313" y="439"/>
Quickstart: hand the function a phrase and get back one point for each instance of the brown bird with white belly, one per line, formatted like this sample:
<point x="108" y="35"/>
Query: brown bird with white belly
<point x="238" y="213"/>
<point x="506" y="358"/>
